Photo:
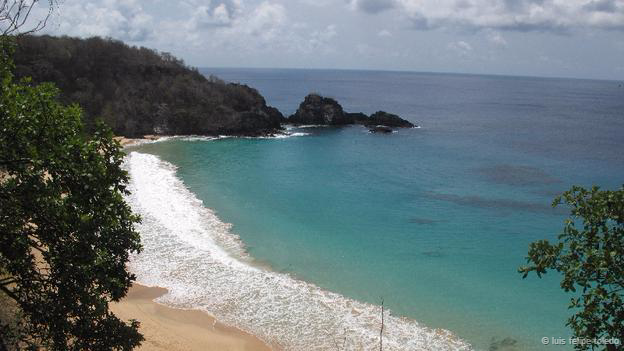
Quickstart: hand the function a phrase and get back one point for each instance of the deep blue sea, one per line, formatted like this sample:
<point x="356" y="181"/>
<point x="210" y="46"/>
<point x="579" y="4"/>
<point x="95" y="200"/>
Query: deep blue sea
<point x="435" y="221"/>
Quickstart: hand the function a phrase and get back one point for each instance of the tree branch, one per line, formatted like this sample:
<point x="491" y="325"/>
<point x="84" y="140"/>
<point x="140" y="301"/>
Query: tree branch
<point x="13" y="16"/>
<point x="7" y="281"/>
<point x="10" y="294"/>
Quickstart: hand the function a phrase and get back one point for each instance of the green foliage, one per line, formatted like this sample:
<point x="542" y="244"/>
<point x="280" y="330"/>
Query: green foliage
<point x="65" y="230"/>
<point x="590" y="258"/>
<point x="139" y="91"/>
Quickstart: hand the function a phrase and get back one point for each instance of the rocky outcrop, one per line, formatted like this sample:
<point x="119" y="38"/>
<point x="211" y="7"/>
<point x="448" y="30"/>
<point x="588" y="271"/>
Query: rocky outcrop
<point x="316" y="109"/>
<point x="319" y="110"/>
<point x="358" y="118"/>
<point x="389" y="120"/>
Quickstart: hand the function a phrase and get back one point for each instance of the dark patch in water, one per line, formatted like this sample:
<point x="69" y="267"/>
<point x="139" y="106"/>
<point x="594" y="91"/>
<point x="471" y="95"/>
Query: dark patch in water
<point x="507" y="344"/>
<point x="548" y="193"/>
<point x="433" y="254"/>
<point x="482" y="202"/>
<point x="517" y="175"/>
<point x="423" y="221"/>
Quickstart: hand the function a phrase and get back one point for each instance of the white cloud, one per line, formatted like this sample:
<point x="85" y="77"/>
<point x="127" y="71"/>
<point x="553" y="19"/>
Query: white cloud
<point x="120" y="19"/>
<point x="263" y="28"/>
<point x="384" y="33"/>
<point x="322" y="37"/>
<point x="317" y="3"/>
<point x="325" y="33"/>
<point x="461" y="48"/>
<point x="265" y="20"/>
<point x="520" y="15"/>
<point x="232" y="24"/>
<point x="218" y="13"/>
<point x="496" y="38"/>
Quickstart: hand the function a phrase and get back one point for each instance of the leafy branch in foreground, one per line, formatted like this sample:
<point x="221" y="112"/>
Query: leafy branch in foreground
<point x="591" y="261"/>
<point x="66" y="232"/>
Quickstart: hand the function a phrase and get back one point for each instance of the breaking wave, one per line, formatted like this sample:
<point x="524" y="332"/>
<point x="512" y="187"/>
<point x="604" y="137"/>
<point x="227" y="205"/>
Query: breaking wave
<point x="191" y="252"/>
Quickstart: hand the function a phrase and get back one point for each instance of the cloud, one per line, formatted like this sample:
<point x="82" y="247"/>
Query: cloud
<point x="384" y="33"/>
<point x="461" y="48"/>
<point x="216" y="13"/>
<point x="120" y="19"/>
<point x="227" y="24"/>
<point x="321" y="37"/>
<point x="265" y="20"/>
<point x="372" y="6"/>
<point x="253" y="29"/>
<point x="517" y="15"/>
<point x="496" y="38"/>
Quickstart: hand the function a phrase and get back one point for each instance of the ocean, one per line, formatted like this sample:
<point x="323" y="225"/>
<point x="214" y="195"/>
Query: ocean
<point x="299" y="238"/>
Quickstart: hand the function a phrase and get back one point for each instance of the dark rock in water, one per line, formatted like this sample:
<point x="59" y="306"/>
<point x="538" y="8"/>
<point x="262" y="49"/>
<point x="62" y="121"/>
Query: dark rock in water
<point x="389" y="119"/>
<point x="380" y="129"/>
<point x="358" y="118"/>
<point x="422" y="221"/>
<point x="507" y="344"/>
<point x="316" y="109"/>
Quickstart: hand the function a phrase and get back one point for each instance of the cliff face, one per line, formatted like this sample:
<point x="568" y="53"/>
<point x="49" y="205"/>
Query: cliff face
<point x="139" y="91"/>
<point x="319" y="110"/>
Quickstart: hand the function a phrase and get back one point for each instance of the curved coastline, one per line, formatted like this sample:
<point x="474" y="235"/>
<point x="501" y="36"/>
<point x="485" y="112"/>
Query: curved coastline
<point x="205" y="267"/>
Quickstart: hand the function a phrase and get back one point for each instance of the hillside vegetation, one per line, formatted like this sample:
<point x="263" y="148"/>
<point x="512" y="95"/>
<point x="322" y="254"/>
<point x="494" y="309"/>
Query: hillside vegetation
<point x="139" y="91"/>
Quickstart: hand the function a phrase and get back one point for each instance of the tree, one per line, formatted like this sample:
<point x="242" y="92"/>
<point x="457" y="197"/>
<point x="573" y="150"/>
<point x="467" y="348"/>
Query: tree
<point x="14" y="16"/>
<point x="591" y="261"/>
<point x="66" y="232"/>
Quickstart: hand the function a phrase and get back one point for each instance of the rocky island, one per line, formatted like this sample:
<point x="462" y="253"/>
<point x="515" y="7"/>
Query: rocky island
<point x="319" y="110"/>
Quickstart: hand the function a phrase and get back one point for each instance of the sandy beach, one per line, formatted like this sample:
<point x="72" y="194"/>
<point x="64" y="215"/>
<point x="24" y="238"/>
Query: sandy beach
<point x="171" y="329"/>
<point x="125" y="142"/>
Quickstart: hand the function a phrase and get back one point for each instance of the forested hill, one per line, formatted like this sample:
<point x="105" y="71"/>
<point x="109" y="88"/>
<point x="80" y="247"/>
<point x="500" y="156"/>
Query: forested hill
<point x="139" y="91"/>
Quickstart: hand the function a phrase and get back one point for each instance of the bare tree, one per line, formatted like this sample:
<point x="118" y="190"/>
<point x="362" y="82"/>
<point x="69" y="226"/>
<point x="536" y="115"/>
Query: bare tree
<point x="14" y="15"/>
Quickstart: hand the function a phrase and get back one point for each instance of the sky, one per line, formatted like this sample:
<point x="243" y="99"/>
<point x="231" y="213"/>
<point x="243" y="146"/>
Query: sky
<point x="551" y="38"/>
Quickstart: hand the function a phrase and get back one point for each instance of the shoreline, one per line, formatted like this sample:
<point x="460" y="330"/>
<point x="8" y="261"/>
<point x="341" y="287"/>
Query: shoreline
<point x="167" y="328"/>
<point x="127" y="142"/>
<point x="311" y="307"/>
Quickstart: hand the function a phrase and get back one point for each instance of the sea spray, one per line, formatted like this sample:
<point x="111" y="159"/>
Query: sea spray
<point x="190" y="251"/>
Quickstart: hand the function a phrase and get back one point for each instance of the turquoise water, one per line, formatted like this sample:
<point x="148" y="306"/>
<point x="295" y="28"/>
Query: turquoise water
<point x="433" y="220"/>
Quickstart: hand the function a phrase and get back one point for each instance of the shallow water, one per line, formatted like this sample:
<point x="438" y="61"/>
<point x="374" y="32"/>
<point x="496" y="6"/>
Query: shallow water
<point x="433" y="220"/>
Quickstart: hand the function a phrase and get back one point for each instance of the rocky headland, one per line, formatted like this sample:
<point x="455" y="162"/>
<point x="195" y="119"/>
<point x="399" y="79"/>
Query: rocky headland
<point x="139" y="91"/>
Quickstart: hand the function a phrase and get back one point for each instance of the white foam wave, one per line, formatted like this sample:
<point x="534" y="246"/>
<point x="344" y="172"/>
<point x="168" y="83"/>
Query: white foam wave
<point x="311" y="126"/>
<point x="188" y="250"/>
<point x="138" y="142"/>
<point x="290" y="135"/>
<point x="283" y="135"/>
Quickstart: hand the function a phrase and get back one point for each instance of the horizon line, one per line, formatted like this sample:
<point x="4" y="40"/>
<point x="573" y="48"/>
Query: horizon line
<point x="621" y="81"/>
